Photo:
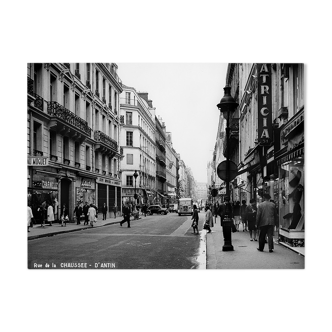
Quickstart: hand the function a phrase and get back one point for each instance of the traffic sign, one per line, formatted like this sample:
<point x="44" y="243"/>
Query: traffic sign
<point x="221" y="170"/>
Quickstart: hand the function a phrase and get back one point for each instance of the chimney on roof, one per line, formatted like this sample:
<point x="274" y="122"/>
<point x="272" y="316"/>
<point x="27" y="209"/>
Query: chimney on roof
<point x="150" y="103"/>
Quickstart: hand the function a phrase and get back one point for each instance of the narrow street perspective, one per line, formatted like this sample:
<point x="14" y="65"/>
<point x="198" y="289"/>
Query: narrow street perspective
<point x="120" y="170"/>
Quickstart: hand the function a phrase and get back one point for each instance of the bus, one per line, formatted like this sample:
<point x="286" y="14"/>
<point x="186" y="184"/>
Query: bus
<point x="185" y="206"/>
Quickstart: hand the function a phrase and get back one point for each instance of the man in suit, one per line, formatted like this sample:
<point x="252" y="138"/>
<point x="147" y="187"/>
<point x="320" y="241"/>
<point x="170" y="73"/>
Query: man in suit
<point x="265" y="221"/>
<point x="85" y="211"/>
<point x="126" y="215"/>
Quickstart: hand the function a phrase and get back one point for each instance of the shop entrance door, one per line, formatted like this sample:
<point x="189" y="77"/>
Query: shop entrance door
<point x="65" y="185"/>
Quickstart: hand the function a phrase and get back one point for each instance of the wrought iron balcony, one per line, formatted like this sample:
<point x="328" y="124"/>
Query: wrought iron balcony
<point x="161" y="174"/>
<point x="104" y="143"/>
<point x="30" y="86"/>
<point x="67" y="122"/>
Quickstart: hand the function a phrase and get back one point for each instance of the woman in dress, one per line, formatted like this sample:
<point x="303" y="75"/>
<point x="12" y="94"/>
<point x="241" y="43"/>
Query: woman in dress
<point x="50" y="214"/>
<point x="251" y="211"/>
<point x="237" y="214"/>
<point x="208" y="219"/>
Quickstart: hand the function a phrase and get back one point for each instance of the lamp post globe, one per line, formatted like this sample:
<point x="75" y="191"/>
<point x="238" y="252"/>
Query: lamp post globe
<point x="227" y="106"/>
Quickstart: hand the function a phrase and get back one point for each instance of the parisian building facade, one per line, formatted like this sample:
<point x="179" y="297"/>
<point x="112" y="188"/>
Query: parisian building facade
<point x="267" y="140"/>
<point x="171" y="169"/>
<point x="137" y="140"/>
<point x="73" y="134"/>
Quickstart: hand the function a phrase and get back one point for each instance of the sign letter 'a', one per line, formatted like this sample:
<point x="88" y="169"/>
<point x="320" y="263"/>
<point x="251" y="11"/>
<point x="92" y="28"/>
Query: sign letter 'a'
<point x="264" y="104"/>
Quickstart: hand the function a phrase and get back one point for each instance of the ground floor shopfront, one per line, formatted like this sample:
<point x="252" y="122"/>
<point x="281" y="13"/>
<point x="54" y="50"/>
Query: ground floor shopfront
<point x="109" y="193"/>
<point x="53" y="184"/>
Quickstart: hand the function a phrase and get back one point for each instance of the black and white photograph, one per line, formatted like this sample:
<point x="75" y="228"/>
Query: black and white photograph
<point x="130" y="168"/>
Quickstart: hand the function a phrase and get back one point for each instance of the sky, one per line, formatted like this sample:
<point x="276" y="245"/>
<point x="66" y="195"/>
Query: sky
<point x="185" y="95"/>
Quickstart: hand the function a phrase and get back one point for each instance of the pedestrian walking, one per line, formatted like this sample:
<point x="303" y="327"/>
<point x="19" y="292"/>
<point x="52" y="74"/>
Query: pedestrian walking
<point x="56" y="205"/>
<point x="115" y="211"/>
<point x="208" y="219"/>
<point x="78" y="212"/>
<point x="92" y="213"/>
<point x="42" y="213"/>
<point x="243" y="216"/>
<point x="126" y="215"/>
<point x="85" y="212"/>
<point x="30" y="217"/>
<point x="195" y="219"/>
<point x="251" y="212"/>
<point x="143" y="209"/>
<point x="265" y="221"/>
<point x="64" y="215"/>
<point x="104" y="211"/>
<point x="237" y="215"/>
<point x="50" y="214"/>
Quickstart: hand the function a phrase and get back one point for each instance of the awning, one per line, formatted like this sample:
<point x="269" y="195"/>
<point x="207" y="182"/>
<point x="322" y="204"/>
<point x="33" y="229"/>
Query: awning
<point x="248" y="169"/>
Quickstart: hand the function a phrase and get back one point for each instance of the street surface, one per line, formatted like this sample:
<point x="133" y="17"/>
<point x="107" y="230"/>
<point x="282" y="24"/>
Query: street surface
<point x="153" y="242"/>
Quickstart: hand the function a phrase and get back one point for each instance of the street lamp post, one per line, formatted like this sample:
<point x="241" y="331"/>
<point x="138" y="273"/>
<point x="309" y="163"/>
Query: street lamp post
<point x="227" y="106"/>
<point x="135" y="175"/>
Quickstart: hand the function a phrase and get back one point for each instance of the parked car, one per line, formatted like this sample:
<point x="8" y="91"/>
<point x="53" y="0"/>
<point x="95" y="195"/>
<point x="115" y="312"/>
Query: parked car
<point x="157" y="209"/>
<point x="173" y="208"/>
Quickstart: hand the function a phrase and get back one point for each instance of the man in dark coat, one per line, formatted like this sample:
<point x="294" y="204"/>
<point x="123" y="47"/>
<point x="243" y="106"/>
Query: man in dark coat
<point x="85" y="211"/>
<point x="104" y="211"/>
<point x="126" y="215"/>
<point x="78" y="212"/>
<point x="266" y="220"/>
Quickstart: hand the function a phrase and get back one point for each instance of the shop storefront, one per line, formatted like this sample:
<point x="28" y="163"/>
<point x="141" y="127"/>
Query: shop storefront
<point x="85" y="191"/>
<point x="109" y="192"/>
<point x="43" y="188"/>
<point x="290" y="184"/>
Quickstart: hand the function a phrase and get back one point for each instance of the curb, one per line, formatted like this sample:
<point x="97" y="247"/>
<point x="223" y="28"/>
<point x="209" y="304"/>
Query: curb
<point x="201" y="259"/>
<point x="33" y="237"/>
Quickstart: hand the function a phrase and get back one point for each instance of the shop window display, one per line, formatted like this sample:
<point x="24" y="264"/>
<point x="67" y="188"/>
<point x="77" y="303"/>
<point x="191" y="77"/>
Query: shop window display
<point x="291" y="197"/>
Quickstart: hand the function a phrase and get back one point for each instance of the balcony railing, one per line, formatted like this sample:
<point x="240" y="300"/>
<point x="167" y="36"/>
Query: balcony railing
<point x="161" y="174"/>
<point x="54" y="109"/>
<point x="128" y="101"/>
<point x="102" y="138"/>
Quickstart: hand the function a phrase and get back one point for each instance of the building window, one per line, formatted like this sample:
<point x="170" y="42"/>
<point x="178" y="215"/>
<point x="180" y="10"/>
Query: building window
<point x="115" y="101"/>
<point x="104" y="88"/>
<point x="88" y="73"/>
<point x="115" y="133"/>
<point x="77" y="104"/>
<point x="110" y="94"/>
<point x="97" y="81"/>
<point x="129" y="118"/>
<point x="66" y="96"/>
<point x="87" y="156"/>
<point x="53" y="143"/>
<point x="129" y="138"/>
<point x="130" y="159"/>
<point x="129" y="180"/>
<point x="115" y="171"/>
<point x="65" y="148"/>
<point x="127" y="97"/>
<point x="96" y="120"/>
<point x="77" y="152"/>
<point x="88" y="113"/>
<point x="52" y="88"/>
<point x="104" y="124"/>
<point x="37" y="138"/>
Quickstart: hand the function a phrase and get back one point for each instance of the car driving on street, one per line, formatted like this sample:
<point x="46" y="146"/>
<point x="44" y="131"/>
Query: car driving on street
<point x="157" y="209"/>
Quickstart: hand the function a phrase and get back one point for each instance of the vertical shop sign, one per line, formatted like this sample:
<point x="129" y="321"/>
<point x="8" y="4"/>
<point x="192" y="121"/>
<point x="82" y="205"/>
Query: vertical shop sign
<point x="264" y="104"/>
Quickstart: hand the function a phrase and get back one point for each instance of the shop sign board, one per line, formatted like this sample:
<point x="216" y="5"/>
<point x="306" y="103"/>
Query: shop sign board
<point x="45" y="185"/>
<point x="108" y="181"/>
<point x="86" y="183"/>
<point x="38" y="161"/>
<point x="264" y="104"/>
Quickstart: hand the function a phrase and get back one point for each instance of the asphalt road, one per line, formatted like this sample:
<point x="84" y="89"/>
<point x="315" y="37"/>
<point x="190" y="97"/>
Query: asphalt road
<point x="153" y="242"/>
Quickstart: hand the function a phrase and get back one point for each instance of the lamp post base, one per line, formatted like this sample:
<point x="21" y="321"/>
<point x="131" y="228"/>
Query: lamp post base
<point x="227" y="232"/>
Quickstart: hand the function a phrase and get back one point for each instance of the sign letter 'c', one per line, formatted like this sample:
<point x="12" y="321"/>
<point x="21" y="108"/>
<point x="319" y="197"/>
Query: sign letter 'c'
<point x="265" y="111"/>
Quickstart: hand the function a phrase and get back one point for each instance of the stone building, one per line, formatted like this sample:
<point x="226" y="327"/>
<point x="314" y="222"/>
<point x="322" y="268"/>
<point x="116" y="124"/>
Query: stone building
<point x="137" y="139"/>
<point x="73" y="134"/>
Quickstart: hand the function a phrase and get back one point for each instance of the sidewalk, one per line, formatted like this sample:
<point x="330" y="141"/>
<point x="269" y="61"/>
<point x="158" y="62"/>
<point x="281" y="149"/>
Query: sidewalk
<point x="37" y="231"/>
<point x="246" y="255"/>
